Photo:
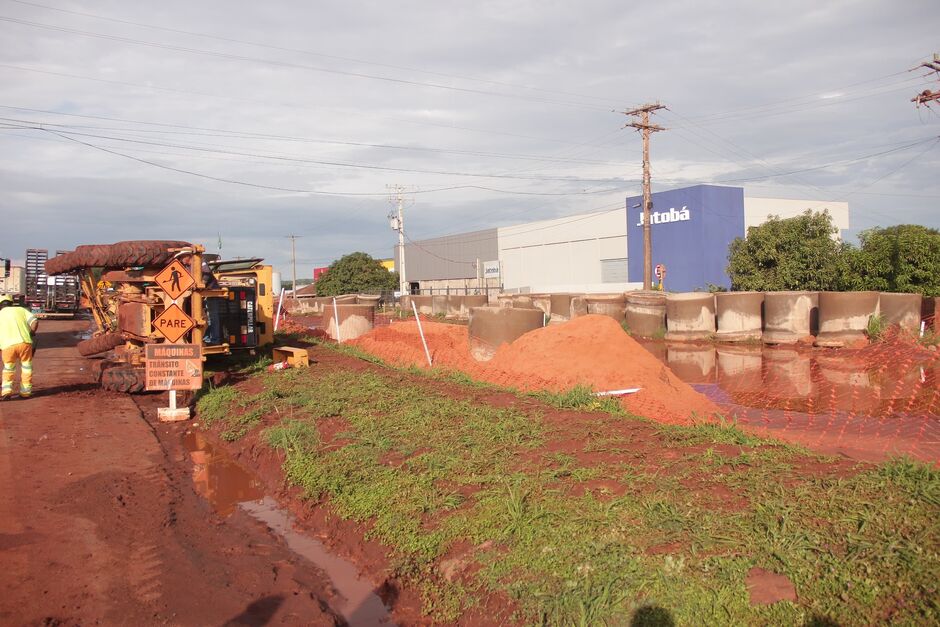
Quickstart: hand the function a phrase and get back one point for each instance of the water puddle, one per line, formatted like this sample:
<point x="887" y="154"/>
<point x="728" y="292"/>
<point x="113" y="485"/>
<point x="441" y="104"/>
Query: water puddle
<point x="878" y="401"/>
<point x="226" y="485"/>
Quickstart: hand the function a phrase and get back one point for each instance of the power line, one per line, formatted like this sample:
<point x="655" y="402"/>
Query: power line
<point x="185" y="92"/>
<point x="236" y="134"/>
<point x="290" y="189"/>
<point x="311" y="53"/>
<point x="286" y="64"/>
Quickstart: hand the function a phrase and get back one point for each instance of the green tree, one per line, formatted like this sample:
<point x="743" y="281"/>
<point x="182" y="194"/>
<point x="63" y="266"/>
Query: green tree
<point x="903" y="258"/>
<point x="793" y="254"/>
<point x="355" y="273"/>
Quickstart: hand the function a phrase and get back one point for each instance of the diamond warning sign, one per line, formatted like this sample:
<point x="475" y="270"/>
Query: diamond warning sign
<point x="175" y="279"/>
<point x="173" y="323"/>
<point x="174" y="367"/>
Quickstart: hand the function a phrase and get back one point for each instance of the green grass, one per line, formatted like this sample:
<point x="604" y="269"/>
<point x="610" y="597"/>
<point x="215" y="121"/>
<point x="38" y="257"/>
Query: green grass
<point x="581" y="398"/>
<point x="876" y="328"/>
<point x="429" y="473"/>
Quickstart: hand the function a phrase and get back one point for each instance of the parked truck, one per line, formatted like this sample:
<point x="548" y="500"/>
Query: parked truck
<point x="13" y="281"/>
<point x="58" y="297"/>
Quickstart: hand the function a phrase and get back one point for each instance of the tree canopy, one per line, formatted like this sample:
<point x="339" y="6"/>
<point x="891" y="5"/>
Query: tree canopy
<point x="801" y="254"/>
<point x="903" y="258"/>
<point x="794" y="254"/>
<point x="355" y="273"/>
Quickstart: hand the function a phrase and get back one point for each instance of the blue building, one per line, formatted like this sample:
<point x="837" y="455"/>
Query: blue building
<point x="691" y="229"/>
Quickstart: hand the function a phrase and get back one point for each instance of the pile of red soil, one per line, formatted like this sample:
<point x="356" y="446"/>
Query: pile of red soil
<point x="590" y="351"/>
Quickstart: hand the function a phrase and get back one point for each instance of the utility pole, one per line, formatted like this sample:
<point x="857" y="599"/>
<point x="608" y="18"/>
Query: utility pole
<point x="397" y="223"/>
<point x="293" y="263"/>
<point x="643" y="125"/>
<point x="927" y="96"/>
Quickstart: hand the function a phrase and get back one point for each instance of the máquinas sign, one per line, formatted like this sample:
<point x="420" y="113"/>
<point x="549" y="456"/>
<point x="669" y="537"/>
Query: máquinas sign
<point x="662" y="217"/>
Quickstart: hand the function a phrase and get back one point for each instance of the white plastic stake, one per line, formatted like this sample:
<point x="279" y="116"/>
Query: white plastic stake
<point x="277" y="319"/>
<point x="618" y="392"/>
<point x="923" y="327"/>
<point x="339" y="338"/>
<point x="424" y="342"/>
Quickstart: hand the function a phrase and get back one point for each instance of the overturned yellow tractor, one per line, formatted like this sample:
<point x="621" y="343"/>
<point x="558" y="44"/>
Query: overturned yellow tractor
<point x="229" y="303"/>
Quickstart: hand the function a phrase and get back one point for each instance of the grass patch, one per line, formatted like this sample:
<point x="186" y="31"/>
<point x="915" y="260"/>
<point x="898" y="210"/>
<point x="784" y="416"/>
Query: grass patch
<point x="431" y="473"/>
<point x="581" y="398"/>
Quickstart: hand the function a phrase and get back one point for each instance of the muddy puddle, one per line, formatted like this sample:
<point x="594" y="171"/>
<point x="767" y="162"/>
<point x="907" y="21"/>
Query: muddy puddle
<point x="875" y="404"/>
<point x="227" y="486"/>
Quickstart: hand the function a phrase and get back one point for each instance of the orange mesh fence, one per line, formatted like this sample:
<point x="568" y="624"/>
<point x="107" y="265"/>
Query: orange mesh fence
<point x="868" y="403"/>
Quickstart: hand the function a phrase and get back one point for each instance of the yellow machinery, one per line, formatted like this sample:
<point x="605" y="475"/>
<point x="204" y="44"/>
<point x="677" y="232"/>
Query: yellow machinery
<point x="120" y="284"/>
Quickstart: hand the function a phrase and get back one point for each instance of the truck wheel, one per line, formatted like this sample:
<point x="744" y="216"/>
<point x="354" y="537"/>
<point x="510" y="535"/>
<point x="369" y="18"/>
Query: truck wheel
<point x="119" y="255"/>
<point x="123" y="378"/>
<point x="100" y="344"/>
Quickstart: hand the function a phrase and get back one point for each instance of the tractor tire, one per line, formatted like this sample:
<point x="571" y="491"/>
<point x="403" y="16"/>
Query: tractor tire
<point x="120" y="255"/>
<point x="123" y="378"/>
<point x="100" y="344"/>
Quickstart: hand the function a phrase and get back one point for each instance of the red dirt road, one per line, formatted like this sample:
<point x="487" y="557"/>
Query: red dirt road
<point x="99" y="522"/>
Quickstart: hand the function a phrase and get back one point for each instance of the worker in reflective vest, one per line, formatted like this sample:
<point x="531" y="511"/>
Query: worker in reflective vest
<point x="17" y="328"/>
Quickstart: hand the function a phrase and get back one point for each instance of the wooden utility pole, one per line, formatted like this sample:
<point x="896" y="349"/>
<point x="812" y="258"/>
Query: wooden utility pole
<point x="293" y="263"/>
<point x="643" y="125"/>
<point x="927" y="96"/>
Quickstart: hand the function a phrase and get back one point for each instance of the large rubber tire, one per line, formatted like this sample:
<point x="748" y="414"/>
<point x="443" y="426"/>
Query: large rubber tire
<point x="100" y="344"/>
<point x="123" y="378"/>
<point x="120" y="255"/>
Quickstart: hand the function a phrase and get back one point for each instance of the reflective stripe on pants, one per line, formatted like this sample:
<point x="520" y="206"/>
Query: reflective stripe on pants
<point x="22" y="353"/>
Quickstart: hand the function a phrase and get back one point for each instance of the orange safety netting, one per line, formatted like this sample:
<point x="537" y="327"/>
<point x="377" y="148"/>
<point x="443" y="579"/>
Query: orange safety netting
<point x="868" y="403"/>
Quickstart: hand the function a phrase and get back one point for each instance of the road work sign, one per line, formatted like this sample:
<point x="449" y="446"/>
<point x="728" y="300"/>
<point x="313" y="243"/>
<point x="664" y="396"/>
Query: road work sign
<point x="175" y="279"/>
<point x="173" y="367"/>
<point x="173" y="323"/>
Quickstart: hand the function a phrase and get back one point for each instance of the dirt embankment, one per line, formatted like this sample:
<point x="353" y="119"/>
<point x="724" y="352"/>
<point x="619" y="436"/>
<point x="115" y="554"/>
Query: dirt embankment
<point x="590" y="351"/>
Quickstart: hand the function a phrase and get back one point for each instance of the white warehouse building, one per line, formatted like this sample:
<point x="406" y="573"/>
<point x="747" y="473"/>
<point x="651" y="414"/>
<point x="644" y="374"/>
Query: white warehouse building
<point x="591" y="253"/>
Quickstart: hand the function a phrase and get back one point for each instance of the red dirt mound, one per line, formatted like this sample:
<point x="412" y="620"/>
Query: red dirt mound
<point x="592" y="351"/>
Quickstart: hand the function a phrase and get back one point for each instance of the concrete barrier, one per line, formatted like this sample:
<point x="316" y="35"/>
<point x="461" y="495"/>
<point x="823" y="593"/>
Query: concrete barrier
<point x="645" y="313"/>
<point x="491" y="327"/>
<point x="844" y="316"/>
<point x="504" y="300"/>
<point x="560" y="307"/>
<point x="690" y="316"/>
<point x="439" y="305"/>
<point x="423" y="303"/>
<point x="611" y="305"/>
<point x="405" y="302"/>
<point x="901" y="309"/>
<point x="790" y="317"/>
<point x="739" y="316"/>
<point x="542" y="302"/>
<point x="354" y="320"/>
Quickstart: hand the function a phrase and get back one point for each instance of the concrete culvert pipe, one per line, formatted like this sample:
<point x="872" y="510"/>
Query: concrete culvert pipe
<point x="645" y="313"/>
<point x="491" y="327"/>
<point x="902" y="310"/>
<point x="354" y="320"/>
<point x="560" y="307"/>
<point x="579" y="306"/>
<point x="470" y="301"/>
<point x="739" y="316"/>
<point x="844" y="317"/>
<point x="690" y="316"/>
<point x="790" y="317"/>
<point x="610" y="305"/>
<point x="423" y="303"/>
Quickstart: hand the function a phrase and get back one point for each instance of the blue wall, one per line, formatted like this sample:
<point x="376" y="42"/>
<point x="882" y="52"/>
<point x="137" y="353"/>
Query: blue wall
<point x="694" y="245"/>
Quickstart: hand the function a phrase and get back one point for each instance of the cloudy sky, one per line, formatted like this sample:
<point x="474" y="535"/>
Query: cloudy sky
<point x="257" y="120"/>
